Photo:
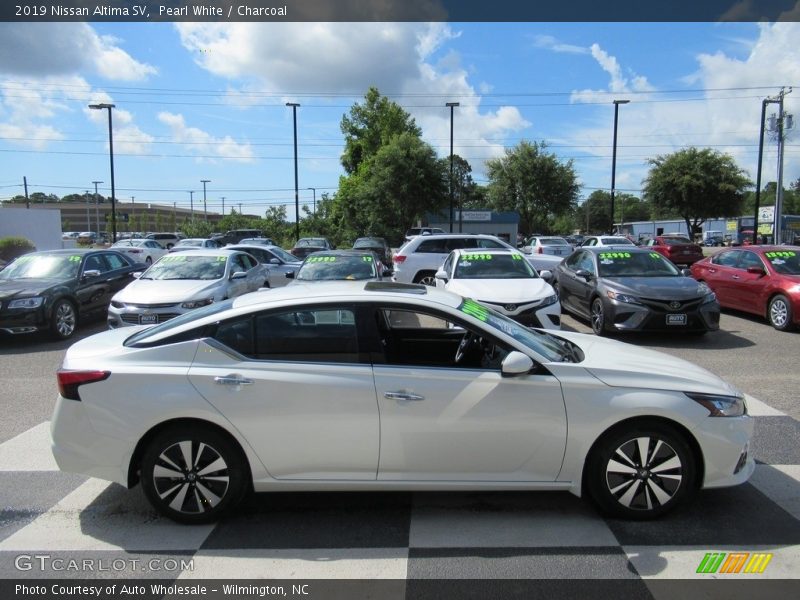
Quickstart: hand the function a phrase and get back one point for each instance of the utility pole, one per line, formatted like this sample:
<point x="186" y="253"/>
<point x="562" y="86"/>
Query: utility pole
<point x="779" y="125"/>
<point x="96" y="209"/>
<point x="205" y="210"/>
<point x="452" y="105"/>
<point x="294" y="106"/>
<point x="223" y="206"/>
<point x="25" y="184"/>
<point x="88" y="221"/>
<point x="614" y="159"/>
<point x="191" y="205"/>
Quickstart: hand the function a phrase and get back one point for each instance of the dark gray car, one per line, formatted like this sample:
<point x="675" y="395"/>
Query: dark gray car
<point x="632" y="289"/>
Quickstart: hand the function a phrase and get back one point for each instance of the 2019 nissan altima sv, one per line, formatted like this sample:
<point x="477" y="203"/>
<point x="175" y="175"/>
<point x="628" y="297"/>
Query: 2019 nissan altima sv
<point x="386" y="386"/>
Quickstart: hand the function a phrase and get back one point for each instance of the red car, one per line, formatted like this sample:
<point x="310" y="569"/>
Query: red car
<point x="679" y="249"/>
<point x="763" y="280"/>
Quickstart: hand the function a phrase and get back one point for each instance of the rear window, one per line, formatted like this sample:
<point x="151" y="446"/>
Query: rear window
<point x="671" y="241"/>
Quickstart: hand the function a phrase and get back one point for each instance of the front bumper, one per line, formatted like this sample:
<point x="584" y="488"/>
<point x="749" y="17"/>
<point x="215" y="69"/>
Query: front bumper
<point x="23" y="320"/>
<point x="725" y="443"/>
<point x="658" y="316"/>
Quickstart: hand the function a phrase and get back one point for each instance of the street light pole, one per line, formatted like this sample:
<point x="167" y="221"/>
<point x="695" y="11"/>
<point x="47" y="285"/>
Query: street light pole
<point x="315" y="198"/>
<point x="205" y="210"/>
<point x="294" y="106"/>
<point x="111" y="157"/>
<point x="191" y="205"/>
<point x="223" y="206"/>
<point x="614" y="158"/>
<point x="764" y="103"/>
<point x="452" y="105"/>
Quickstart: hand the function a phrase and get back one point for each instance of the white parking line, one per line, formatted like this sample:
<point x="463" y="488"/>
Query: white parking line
<point x="757" y="408"/>
<point x="29" y="451"/>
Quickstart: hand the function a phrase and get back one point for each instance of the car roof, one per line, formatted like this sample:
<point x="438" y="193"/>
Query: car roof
<point x="343" y="252"/>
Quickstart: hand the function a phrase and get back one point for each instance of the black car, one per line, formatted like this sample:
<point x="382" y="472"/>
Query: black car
<point x="53" y="290"/>
<point x="336" y="265"/>
<point x="378" y="245"/>
<point x="306" y="246"/>
<point x="624" y="288"/>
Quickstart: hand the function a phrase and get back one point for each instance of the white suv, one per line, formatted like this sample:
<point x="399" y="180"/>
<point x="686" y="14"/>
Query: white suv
<point x="419" y="259"/>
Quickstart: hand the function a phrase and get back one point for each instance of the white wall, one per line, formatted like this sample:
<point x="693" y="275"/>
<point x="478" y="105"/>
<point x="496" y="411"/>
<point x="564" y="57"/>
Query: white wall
<point x="42" y="227"/>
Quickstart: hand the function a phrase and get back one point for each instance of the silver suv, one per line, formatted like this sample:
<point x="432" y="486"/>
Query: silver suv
<point x="419" y="259"/>
<point x="165" y="240"/>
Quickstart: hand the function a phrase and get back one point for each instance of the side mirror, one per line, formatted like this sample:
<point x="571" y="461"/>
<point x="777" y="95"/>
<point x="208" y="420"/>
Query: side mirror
<point x="755" y="270"/>
<point x="274" y="261"/>
<point x="688" y="272"/>
<point x="91" y="273"/>
<point x="289" y="274"/>
<point x="546" y="275"/>
<point x="442" y="275"/>
<point x="527" y="250"/>
<point x="516" y="363"/>
<point x="136" y="275"/>
<point x="584" y="274"/>
<point x="238" y="275"/>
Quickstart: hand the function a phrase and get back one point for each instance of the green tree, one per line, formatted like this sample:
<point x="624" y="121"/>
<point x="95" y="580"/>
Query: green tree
<point x="371" y="125"/>
<point x="696" y="185"/>
<point x="397" y="186"/>
<point x="534" y="183"/>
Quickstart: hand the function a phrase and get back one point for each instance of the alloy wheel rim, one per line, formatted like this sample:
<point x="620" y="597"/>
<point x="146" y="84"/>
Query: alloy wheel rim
<point x="191" y="477"/>
<point x="644" y="473"/>
<point x="597" y="317"/>
<point x="428" y="280"/>
<point x="778" y="313"/>
<point x="65" y="319"/>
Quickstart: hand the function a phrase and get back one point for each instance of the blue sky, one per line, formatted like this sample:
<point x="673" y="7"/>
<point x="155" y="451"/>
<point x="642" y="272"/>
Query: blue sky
<point x="207" y="101"/>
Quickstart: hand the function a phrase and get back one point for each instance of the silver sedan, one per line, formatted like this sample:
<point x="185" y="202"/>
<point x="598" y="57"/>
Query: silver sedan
<point x="181" y="282"/>
<point x="277" y="260"/>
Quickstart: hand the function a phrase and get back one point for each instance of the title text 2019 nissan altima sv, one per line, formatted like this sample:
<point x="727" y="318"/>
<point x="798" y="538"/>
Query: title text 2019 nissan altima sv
<point x="386" y="386"/>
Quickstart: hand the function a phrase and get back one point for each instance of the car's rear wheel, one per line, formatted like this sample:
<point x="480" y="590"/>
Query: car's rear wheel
<point x="148" y="260"/>
<point x="641" y="472"/>
<point x="193" y="474"/>
<point x="426" y="278"/>
<point x="598" y="317"/>
<point x="63" y="320"/>
<point x="779" y="313"/>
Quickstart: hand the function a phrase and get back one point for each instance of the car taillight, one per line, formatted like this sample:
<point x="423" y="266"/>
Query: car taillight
<point x="398" y="258"/>
<point x="69" y="381"/>
<point x="540" y="250"/>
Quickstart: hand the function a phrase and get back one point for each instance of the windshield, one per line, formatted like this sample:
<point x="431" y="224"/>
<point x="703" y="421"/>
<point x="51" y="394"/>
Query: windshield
<point x="553" y="242"/>
<point x="183" y="266"/>
<point x="45" y="266"/>
<point x="635" y="264"/>
<point x="326" y="268"/>
<point x="187" y="317"/>
<point x="493" y="266"/>
<point x="785" y="262"/>
<point x="672" y="241"/>
<point x="283" y="254"/>
<point x="614" y="241"/>
<point x="543" y="344"/>
<point x="318" y="242"/>
<point x="368" y="243"/>
<point x="190" y="243"/>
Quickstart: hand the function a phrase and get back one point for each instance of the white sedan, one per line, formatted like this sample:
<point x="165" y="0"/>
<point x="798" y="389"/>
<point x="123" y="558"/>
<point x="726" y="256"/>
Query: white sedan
<point x="505" y="281"/>
<point x="143" y="251"/>
<point x="387" y="386"/>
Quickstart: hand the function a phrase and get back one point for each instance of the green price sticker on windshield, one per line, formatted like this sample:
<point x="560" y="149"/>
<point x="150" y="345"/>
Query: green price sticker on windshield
<point x="781" y="254"/>
<point x="74" y="258"/>
<point x="366" y="258"/>
<point x="614" y="255"/>
<point x="655" y="255"/>
<point x="317" y="259"/>
<point x="477" y="257"/>
<point x="516" y="256"/>
<point x="179" y="258"/>
<point x="473" y="309"/>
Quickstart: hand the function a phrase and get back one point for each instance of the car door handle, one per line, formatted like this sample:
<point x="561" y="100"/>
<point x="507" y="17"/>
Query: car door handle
<point x="402" y="396"/>
<point x="734" y="277"/>
<point x="233" y="380"/>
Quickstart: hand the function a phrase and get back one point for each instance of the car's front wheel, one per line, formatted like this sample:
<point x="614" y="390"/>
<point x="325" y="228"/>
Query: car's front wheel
<point x="426" y="278"/>
<point x="598" y="317"/>
<point x="64" y="319"/>
<point x="779" y="313"/>
<point x="193" y="474"/>
<point x="641" y="472"/>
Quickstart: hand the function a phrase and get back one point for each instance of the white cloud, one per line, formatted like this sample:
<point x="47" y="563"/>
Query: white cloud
<point x="31" y="136"/>
<point x="202" y="143"/>
<point x="335" y="59"/>
<point x="548" y="42"/>
<point x="618" y="84"/>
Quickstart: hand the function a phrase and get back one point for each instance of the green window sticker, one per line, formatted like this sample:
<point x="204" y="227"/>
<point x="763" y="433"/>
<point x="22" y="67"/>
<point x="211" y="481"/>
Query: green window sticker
<point x="180" y="257"/>
<point x="614" y="255"/>
<point x="781" y="254"/>
<point x="222" y="258"/>
<point x="477" y="257"/>
<point x="366" y="258"/>
<point x="516" y="256"/>
<point x="655" y="255"/>
<point x="472" y="308"/>
<point x="75" y="258"/>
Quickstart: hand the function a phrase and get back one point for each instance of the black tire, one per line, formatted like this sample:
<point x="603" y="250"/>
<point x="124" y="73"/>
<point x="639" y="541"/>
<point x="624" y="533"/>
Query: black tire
<point x="779" y="313"/>
<point x="63" y="319"/>
<point x="170" y="246"/>
<point x="148" y="260"/>
<point x="625" y="486"/>
<point x="193" y="495"/>
<point x="426" y="278"/>
<point x="597" y="317"/>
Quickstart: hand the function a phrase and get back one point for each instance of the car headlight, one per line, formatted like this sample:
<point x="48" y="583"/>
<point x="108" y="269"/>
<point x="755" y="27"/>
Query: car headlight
<point x="623" y="297"/>
<point x="709" y="297"/>
<point x="720" y="406"/>
<point x="552" y="299"/>
<point x="34" y="302"/>
<point x="197" y="303"/>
